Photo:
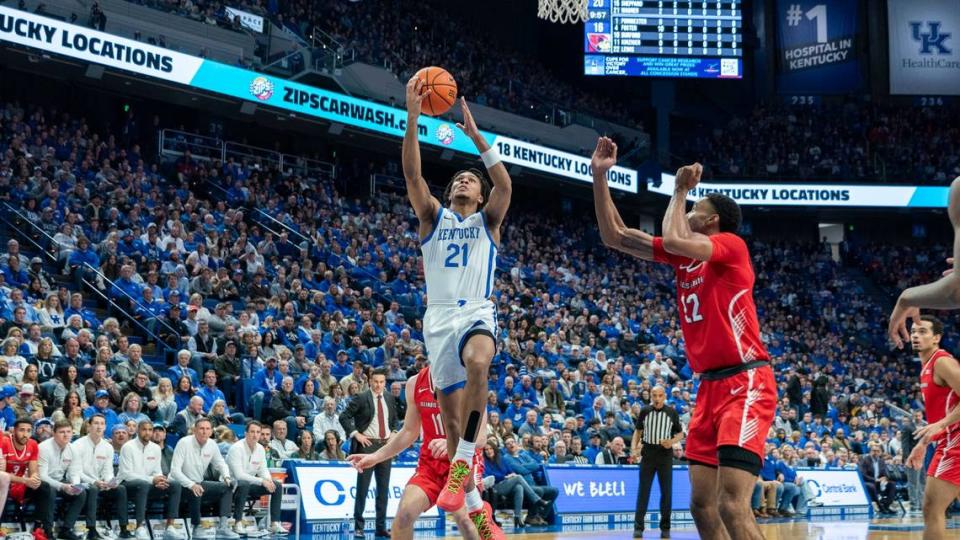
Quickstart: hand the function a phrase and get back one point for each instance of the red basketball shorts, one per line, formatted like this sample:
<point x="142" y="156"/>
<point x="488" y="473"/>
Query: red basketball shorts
<point x="735" y="411"/>
<point x="946" y="460"/>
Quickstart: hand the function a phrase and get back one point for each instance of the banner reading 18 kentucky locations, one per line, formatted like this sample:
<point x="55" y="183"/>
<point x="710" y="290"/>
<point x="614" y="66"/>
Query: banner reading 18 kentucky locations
<point x="99" y="47"/>
<point x="818" y="46"/>
<point x="826" y="194"/>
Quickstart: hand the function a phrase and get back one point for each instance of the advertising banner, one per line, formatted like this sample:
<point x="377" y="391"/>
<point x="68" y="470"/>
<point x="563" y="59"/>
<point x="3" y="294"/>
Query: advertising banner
<point x="924" y="51"/>
<point x="247" y="19"/>
<point x="811" y="195"/>
<point x="834" y="487"/>
<point x="90" y="45"/>
<point x="587" y="489"/>
<point x="329" y="491"/>
<point x="818" y="46"/>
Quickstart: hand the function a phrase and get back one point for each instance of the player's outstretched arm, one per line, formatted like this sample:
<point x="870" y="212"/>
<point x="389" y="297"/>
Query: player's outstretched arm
<point x="941" y="294"/>
<point x="424" y="204"/>
<point x="496" y="208"/>
<point x="678" y="237"/>
<point x="400" y="441"/>
<point x="613" y="232"/>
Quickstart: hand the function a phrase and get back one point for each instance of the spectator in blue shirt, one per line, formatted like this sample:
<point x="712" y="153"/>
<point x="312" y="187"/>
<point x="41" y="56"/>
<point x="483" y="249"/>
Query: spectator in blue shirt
<point x="125" y="292"/>
<point x="83" y="263"/>
<point x="265" y="382"/>
<point x="90" y="319"/>
<point x="101" y="405"/>
<point x="520" y="462"/>
<point x="210" y="394"/>
<point x="792" y="490"/>
<point x="512" y="486"/>
<point x="516" y="412"/>
<point x="183" y="369"/>
<point x="342" y="367"/>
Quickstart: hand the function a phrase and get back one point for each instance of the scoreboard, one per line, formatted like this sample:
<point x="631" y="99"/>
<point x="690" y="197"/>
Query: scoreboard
<point x="654" y="38"/>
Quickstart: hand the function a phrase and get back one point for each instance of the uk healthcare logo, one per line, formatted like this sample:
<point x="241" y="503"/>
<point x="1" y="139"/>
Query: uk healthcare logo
<point x="338" y="493"/>
<point x="931" y="42"/>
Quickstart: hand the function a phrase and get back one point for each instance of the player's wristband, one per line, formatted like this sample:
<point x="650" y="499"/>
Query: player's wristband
<point x="490" y="158"/>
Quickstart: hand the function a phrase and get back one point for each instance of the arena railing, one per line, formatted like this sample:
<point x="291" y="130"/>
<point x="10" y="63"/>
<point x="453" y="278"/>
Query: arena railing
<point x="24" y="221"/>
<point x="205" y="148"/>
<point x="161" y="345"/>
<point x="19" y="225"/>
<point x="134" y="301"/>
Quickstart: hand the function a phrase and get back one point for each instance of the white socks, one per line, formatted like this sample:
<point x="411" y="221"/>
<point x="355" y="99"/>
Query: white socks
<point x="474" y="502"/>
<point x="465" y="451"/>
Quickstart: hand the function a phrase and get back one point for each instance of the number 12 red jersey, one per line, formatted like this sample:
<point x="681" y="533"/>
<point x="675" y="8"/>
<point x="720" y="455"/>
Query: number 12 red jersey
<point x="718" y="315"/>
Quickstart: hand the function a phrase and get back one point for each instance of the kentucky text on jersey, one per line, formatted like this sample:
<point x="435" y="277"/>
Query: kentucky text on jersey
<point x="471" y="233"/>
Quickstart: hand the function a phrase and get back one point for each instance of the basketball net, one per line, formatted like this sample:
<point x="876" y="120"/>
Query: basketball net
<point x="563" y="11"/>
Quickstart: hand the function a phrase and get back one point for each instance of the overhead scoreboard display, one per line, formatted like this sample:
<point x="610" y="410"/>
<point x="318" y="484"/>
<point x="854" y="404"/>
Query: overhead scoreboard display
<point x="651" y="38"/>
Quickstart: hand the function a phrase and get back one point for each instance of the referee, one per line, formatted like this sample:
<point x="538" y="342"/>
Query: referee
<point x="657" y="430"/>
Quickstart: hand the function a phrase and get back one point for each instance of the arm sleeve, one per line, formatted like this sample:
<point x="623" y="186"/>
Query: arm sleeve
<point x="728" y="249"/>
<point x="74" y="470"/>
<point x="661" y="255"/>
<point x="676" y="427"/>
<point x="80" y="456"/>
<point x="126" y="470"/>
<point x="237" y="468"/>
<point x="44" y="469"/>
<point x="176" y="468"/>
<point x="108" y="465"/>
<point x="218" y="462"/>
<point x="348" y="415"/>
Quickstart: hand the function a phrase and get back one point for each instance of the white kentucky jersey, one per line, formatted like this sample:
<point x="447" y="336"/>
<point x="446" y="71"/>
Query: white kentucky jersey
<point x="459" y="259"/>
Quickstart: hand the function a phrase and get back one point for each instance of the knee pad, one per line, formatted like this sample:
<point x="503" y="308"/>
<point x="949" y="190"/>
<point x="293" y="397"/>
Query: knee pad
<point x="739" y="458"/>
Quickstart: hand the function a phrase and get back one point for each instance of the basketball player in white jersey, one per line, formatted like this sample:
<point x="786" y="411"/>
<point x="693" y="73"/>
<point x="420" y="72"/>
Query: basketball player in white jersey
<point x="459" y="244"/>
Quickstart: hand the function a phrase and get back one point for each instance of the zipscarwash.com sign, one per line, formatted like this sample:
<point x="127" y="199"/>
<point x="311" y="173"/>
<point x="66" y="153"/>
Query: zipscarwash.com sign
<point x="756" y="194"/>
<point x="66" y="39"/>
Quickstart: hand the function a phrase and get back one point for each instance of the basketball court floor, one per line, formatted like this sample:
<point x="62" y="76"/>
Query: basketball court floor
<point x="815" y="529"/>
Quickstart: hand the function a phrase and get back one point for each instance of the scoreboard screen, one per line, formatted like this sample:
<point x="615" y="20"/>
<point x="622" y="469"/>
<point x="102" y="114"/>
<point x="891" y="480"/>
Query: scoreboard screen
<point x="652" y="38"/>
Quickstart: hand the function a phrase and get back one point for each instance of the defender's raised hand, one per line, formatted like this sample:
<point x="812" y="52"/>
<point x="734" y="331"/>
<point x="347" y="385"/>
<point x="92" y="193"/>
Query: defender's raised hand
<point x="604" y="156"/>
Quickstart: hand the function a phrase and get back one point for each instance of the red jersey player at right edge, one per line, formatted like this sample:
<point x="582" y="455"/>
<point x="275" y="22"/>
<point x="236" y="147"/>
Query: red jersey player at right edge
<point x="939" y="380"/>
<point x="738" y="394"/>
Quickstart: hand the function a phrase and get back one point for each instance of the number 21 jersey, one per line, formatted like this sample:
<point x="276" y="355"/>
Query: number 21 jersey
<point x="715" y="300"/>
<point x="459" y="259"/>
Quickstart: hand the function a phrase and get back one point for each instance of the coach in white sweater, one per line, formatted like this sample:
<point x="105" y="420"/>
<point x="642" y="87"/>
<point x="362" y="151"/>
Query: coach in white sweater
<point x="96" y="471"/>
<point x="191" y="458"/>
<point x="60" y="472"/>
<point x="140" y="472"/>
<point x="248" y="464"/>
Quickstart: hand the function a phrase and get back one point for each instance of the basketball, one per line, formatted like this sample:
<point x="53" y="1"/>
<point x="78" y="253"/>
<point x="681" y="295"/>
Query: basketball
<point x="444" y="90"/>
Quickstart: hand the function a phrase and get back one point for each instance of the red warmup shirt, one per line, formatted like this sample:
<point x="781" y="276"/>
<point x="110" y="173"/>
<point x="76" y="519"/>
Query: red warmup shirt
<point x="938" y="400"/>
<point x="718" y="316"/>
<point x="18" y="463"/>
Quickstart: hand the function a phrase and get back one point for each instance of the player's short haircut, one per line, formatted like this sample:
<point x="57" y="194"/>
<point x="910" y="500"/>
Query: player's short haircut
<point x="936" y="325"/>
<point x="485" y="185"/>
<point x="728" y="210"/>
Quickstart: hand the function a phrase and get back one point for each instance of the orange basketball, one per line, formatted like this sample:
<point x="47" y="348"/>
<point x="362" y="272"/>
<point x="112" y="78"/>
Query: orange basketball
<point x="444" y="90"/>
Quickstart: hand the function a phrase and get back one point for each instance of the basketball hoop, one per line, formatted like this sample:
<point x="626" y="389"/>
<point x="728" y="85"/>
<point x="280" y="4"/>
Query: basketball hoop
<point x="563" y="11"/>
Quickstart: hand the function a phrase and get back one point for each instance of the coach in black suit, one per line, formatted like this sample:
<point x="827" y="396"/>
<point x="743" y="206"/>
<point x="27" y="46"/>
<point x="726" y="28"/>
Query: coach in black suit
<point x="369" y="420"/>
<point x="876" y="478"/>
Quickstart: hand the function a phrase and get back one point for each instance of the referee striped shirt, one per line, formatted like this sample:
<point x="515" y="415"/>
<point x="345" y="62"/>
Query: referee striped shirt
<point x="655" y="425"/>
